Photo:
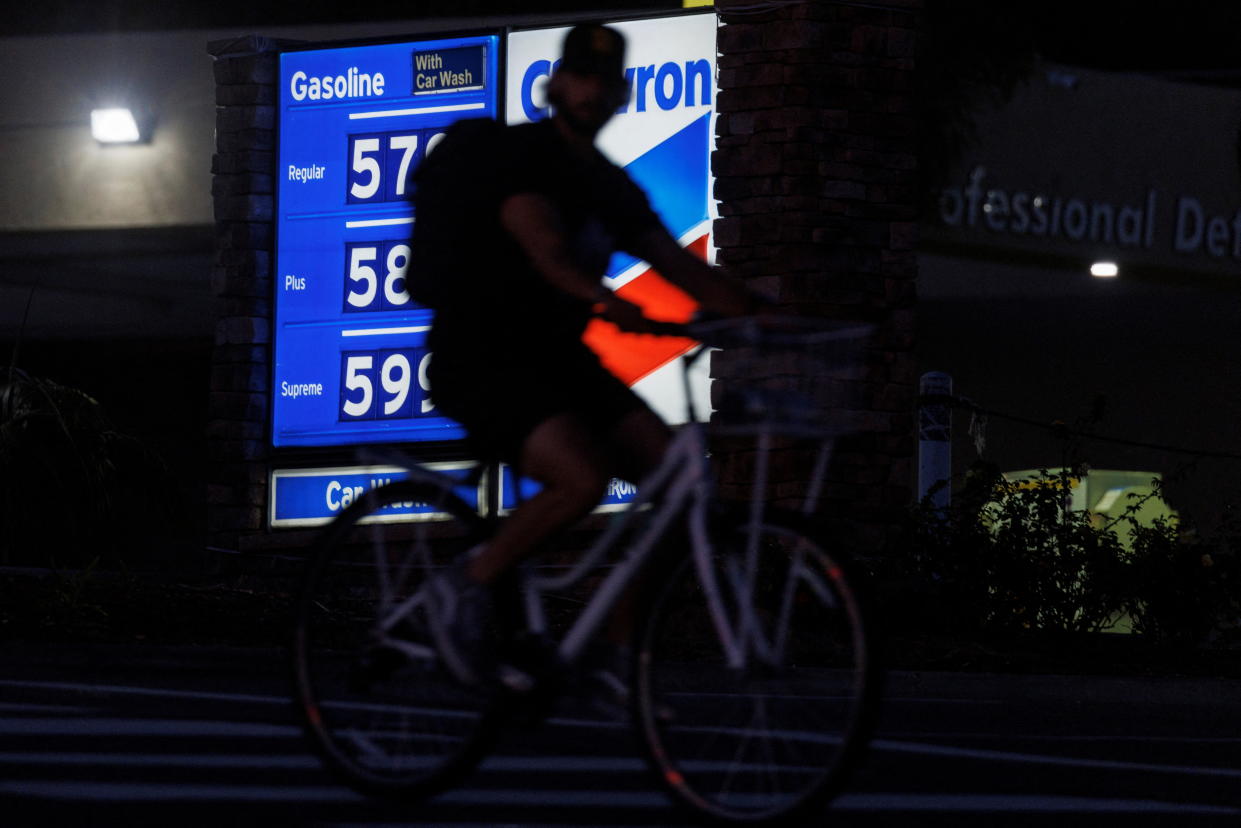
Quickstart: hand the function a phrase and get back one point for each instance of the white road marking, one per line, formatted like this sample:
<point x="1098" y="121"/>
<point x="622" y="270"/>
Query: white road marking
<point x="284" y="700"/>
<point x="946" y="751"/>
<point x="174" y="792"/>
<point x="1074" y="739"/>
<point x="178" y="727"/>
<point x="164" y="760"/>
<point x="1022" y="803"/>
<point x="15" y="707"/>
<point x="127" y="690"/>
<point x="868" y="802"/>
<point x="115" y="726"/>
<point x="933" y="700"/>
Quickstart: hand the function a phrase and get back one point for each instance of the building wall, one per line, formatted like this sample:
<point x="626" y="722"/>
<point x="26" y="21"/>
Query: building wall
<point x="55" y="177"/>
<point x="1145" y="362"/>
<point x="1137" y="169"/>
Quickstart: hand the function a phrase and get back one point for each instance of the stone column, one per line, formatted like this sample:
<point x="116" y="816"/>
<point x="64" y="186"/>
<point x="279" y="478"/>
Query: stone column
<point x="243" y="188"/>
<point x="816" y="173"/>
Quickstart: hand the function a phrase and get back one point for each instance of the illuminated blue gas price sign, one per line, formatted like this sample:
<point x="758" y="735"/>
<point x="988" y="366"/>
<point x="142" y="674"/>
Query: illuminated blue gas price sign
<point x="349" y="344"/>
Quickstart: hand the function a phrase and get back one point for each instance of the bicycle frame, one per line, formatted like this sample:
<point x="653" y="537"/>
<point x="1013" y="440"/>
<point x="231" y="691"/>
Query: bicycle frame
<point x="680" y="478"/>
<point x="680" y="486"/>
<point x="760" y="614"/>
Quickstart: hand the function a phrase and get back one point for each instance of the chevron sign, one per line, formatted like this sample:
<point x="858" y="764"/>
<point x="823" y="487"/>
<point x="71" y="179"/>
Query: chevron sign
<point x="663" y="138"/>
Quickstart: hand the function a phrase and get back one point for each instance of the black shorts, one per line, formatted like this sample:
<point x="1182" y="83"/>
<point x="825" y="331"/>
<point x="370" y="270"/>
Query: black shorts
<point x="500" y="403"/>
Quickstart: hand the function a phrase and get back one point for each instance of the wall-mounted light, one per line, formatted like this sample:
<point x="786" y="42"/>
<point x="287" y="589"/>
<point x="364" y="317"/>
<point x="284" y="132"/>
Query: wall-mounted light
<point x="1104" y="270"/>
<point x="118" y="125"/>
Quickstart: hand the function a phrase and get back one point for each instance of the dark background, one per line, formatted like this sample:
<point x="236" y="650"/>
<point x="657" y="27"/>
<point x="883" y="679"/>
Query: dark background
<point x="968" y="42"/>
<point x="1153" y="35"/>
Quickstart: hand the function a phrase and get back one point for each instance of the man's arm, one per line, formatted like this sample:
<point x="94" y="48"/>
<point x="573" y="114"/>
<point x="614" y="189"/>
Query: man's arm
<point x="714" y="289"/>
<point x="534" y="222"/>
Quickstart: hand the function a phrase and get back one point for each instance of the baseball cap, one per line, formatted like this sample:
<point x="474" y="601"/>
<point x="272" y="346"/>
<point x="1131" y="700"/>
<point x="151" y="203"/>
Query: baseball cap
<point x="593" y="49"/>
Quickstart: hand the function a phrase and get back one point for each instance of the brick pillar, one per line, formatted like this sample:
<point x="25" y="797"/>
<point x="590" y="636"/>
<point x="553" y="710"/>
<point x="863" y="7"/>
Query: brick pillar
<point x="241" y="283"/>
<point x="816" y="173"/>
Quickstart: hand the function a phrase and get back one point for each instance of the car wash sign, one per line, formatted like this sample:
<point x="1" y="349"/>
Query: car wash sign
<point x="663" y="137"/>
<point x="461" y="69"/>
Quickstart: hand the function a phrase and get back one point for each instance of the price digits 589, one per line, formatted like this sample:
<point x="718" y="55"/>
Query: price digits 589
<point x="375" y="276"/>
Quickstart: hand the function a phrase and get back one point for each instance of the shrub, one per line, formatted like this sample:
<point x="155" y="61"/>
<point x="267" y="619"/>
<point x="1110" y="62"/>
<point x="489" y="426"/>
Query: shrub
<point x="73" y="488"/>
<point x="1012" y="555"/>
<point x="1181" y="588"/>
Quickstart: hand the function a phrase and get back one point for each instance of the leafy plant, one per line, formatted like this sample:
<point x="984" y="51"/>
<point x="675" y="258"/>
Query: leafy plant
<point x="73" y="488"/>
<point x="1184" y="589"/>
<point x="1012" y="555"/>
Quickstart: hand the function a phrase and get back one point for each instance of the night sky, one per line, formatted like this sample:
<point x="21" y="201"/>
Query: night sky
<point x="1153" y="35"/>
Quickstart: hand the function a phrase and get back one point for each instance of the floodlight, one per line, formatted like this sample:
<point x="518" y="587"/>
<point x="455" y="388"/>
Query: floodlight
<point x="1104" y="270"/>
<point x="115" y="125"/>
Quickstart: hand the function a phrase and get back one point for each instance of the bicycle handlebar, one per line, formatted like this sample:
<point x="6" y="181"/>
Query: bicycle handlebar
<point x="760" y="332"/>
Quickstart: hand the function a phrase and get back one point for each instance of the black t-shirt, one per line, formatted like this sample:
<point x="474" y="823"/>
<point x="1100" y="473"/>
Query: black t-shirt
<point x="490" y="303"/>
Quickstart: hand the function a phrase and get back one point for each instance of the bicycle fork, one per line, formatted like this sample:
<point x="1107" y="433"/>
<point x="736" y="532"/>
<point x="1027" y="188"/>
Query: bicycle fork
<point x="748" y="638"/>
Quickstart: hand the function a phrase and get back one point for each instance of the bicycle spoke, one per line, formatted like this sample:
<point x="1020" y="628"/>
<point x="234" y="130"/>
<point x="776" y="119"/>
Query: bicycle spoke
<point x="758" y="743"/>
<point x="379" y="547"/>
<point x="378" y="705"/>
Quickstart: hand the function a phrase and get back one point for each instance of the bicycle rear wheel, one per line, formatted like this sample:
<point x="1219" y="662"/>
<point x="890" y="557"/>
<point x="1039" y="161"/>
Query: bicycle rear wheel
<point x="378" y="705"/>
<point x="772" y="740"/>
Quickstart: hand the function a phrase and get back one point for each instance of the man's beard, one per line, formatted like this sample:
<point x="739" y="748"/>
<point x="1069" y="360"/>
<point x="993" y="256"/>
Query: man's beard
<point x="588" y="125"/>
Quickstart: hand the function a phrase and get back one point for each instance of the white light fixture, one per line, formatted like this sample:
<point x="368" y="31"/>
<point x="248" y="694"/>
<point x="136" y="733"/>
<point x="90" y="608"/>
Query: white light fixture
<point x="115" y="125"/>
<point x="1104" y="270"/>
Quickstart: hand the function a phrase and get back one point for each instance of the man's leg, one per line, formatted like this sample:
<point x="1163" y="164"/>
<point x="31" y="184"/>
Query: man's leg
<point x="638" y="444"/>
<point x="562" y="455"/>
<point x="565" y="457"/>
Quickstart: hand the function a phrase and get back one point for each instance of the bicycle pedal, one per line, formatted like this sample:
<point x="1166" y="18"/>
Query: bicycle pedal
<point x="516" y="680"/>
<point x="372" y="667"/>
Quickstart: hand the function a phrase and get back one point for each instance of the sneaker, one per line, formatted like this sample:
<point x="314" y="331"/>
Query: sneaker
<point x="603" y="679"/>
<point x="607" y="678"/>
<point x="459" y="614"/>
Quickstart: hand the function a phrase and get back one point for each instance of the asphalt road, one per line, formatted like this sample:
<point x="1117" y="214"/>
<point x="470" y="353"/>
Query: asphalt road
<point x="162" y="736"/>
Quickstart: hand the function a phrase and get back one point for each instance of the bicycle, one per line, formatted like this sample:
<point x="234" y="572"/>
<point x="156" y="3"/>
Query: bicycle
<point x="755" y="682"/>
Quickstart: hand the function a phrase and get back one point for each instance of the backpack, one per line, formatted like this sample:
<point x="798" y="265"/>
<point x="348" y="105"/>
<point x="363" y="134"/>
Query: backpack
<point x="453" y="189"/>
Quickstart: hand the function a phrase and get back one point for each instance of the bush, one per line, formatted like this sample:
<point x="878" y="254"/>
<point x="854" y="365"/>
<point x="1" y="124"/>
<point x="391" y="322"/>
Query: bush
<point x="1183" y="589"/>
<point x="74" y="489"/>
<point x="1011" y="555"/>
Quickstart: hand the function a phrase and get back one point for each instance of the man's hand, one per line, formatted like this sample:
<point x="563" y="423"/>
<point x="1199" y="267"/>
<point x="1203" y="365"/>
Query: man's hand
<point x="624" y="314"/>
<point x="717" y="292"/>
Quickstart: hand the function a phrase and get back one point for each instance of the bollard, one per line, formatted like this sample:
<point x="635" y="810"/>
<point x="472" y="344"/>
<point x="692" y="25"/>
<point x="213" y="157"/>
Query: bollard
<point x="935" y="439"/>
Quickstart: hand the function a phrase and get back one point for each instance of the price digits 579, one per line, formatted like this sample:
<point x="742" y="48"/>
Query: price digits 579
<point x="381" y="165"/>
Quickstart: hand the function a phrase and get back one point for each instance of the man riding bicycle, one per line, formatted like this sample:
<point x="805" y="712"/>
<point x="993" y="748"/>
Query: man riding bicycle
<point x="515" y="226"/>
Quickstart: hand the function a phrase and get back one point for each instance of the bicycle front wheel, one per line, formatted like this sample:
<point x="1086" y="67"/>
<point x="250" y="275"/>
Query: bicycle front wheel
<point x="379" y="707"/>
<point x="767" y="732"/>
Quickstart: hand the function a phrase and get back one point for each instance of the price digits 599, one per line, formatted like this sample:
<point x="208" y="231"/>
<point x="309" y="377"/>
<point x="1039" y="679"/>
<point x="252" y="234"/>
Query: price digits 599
<point x="387" y="384"/>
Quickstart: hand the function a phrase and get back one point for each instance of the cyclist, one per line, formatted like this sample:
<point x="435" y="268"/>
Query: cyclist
<point x="515" y="226"/>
